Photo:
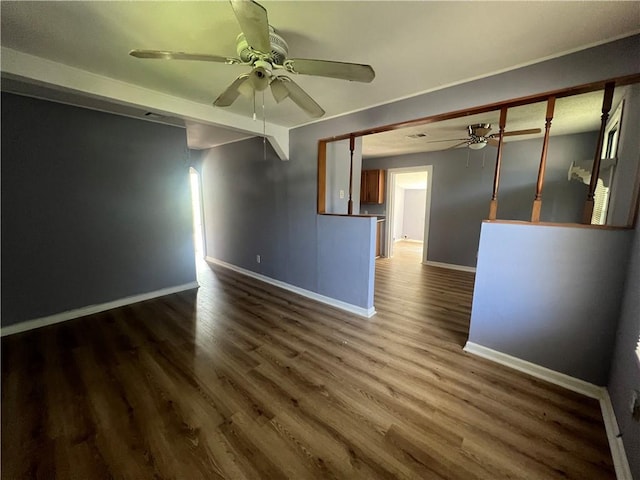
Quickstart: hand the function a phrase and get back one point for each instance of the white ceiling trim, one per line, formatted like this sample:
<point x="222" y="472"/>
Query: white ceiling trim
<point x="57" y="74"/>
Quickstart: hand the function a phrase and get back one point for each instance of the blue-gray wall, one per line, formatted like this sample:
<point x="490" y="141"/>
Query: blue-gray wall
<point x="625" y="369"/>
<point x="335" y="248"/>
<point x="244" y="206"/>
<point x="95" y="208"/>
<point x="550" y="295"/>
<point x="460" y="194"/>
<point x="289" y="229"/>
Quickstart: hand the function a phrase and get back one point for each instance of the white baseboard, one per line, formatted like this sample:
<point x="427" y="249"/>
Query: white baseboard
<point x="451" y="266"/>
<point x="91" y="309"/>
<point x="618" y="454"/>
<point x="348" y="307"/>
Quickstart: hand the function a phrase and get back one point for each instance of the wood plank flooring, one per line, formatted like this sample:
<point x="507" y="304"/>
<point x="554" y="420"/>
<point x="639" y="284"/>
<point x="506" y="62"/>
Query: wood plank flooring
<point x="242" y="380"/>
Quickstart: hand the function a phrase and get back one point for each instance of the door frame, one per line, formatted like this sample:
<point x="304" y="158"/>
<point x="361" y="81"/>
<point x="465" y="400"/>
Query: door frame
<point x="391" y="188"/>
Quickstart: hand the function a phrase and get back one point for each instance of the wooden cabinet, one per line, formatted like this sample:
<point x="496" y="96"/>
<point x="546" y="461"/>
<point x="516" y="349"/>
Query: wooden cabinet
<point x="372" y="186"/>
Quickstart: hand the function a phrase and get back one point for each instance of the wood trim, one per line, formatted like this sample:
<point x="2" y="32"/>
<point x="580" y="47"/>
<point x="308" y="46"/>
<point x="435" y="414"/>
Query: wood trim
<point x="551" y="224"/>
<point x="564" y="92"/>
<point x="322" y="176"/>
<point x="561" y="93"/>
<point x="595" y="170"/>
<point x="537" y="202"/>
<point x="352" y="146"/>
<point x="354" y="216"/>
<point x="493" y="207"/>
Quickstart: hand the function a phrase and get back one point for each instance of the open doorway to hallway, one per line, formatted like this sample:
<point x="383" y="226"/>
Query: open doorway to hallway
<point x="408" y="210"/>
<point x="196" y="206"/>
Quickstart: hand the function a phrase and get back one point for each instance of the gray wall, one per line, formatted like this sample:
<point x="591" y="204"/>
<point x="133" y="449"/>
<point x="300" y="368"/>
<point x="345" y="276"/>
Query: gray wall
<point x="243" y="206"/>
<point x="291" y="190"/>
<point x="550" y="295"/>
<point x="95" y="207"/>
<point x="460" y="194"/>
<point x="625" y="369"/>
<point x="336" y="246"/>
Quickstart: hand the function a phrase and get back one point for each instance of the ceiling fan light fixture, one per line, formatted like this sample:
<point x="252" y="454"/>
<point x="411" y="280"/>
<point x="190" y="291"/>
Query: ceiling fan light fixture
<point x="478" y="146"/>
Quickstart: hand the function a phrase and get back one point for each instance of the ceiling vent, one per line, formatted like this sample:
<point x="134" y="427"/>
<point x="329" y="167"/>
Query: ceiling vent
<point x="417" y="135"/>
<point x="154" y="116"/>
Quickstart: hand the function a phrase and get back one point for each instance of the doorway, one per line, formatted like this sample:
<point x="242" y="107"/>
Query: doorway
<point x="196" y="207"/>
<point x="409" y="210"/>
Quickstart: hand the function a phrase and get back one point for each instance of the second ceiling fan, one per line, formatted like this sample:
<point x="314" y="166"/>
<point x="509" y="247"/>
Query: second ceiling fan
<point x="479" y="136"/>
<point x="260" y="47"/>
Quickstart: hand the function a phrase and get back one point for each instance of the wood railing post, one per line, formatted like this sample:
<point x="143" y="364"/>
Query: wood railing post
<point x="322" y="176"/>
<point x="351" y="148"/>
<point x="537" y="201"/>
<point x="493" y="206"/>
<point x="595" y="170"/>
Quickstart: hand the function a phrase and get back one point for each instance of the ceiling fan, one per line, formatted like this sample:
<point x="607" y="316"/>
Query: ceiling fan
<point x="265" y="51"/>
<point x="478" y="136"/>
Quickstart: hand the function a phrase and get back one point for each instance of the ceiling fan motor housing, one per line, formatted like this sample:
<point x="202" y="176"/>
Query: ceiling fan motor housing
<point x="277" y="55"/>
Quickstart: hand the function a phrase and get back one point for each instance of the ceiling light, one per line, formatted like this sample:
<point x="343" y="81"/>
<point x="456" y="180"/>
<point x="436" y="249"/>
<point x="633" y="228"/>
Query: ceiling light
<point x="478" y="146"/>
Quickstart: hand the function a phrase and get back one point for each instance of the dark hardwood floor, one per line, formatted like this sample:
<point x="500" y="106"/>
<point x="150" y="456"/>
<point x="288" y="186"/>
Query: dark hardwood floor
<point x="244" y="380"/>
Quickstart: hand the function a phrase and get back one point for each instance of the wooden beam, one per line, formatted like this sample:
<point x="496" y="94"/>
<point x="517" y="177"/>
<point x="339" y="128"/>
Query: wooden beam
<point x="537" y="202"/>
<point x="352" y="143"/>
<point x="516" y="102"/>
<point x="493" y="206"/>
<point x="595" y="170"/>
<point x="322" y="176"/>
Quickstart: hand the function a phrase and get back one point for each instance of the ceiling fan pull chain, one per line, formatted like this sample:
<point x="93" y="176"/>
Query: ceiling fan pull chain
<point x="483" y="152"/>
<point x="254" y="105"/>
<point x="264" y="129"/>
<point x="468" y="157"/>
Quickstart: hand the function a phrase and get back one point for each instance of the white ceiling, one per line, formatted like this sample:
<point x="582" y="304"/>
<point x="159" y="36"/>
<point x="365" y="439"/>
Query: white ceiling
<point x="413" y="46"/>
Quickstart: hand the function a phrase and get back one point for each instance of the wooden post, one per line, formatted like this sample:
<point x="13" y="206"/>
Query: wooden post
<point x="493" y="206"/>
<point x="537" y="201"/>
<point x="351" y="148"/>
<point x="322" y="176"/>
<point x="595" y="170"/>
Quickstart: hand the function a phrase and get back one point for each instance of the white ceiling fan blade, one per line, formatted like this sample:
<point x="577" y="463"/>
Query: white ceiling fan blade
<point x="355" y="72"/>
<point x="254" y="23"/>
<point x="279" y="90"/>
<point x="229" y="96"/>
<point x="301" y="98"/>
<point x="166" y="55"/>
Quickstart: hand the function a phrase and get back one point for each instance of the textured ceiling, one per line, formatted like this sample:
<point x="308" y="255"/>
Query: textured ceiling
<point x="413" y="46"/>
